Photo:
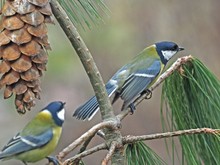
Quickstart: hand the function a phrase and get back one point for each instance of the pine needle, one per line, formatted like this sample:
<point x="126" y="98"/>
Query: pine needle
<point x="140" y="154"/>
<point x="194" y="102"/>
<point x="85" y="13"/>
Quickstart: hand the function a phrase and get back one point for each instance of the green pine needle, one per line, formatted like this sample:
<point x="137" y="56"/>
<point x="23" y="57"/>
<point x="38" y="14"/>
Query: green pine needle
<point x="140" y="154"/>
<point x="194" y="102"/>
<point x="81" y="162"/>
<point x="85" y="13"/>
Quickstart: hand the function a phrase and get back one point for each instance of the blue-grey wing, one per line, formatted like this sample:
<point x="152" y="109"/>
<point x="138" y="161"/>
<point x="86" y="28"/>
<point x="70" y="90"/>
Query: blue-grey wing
<point x="137" y="82"/>
<point x="20" y="144"/>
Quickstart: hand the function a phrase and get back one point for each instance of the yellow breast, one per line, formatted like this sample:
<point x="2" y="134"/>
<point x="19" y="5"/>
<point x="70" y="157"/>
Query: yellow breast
<point x="40" y="153"/>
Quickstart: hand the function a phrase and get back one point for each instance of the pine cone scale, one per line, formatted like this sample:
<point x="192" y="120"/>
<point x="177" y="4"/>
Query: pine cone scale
<point x="13" y="23"/>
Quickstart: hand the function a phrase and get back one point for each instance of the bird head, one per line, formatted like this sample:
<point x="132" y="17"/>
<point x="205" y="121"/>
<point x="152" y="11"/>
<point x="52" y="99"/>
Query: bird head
<point x="167" y="50"/>
<point x="56" y="109"/>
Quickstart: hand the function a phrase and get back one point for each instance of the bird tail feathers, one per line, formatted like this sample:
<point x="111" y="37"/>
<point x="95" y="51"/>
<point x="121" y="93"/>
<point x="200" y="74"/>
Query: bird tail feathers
<point x="89" y="109"/>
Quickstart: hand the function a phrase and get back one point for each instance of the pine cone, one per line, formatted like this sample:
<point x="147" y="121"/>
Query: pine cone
<point x="23" y="45"/>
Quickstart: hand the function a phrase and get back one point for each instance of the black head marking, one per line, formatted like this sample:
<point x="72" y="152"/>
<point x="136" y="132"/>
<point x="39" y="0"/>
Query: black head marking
<point x="166" y="46"/>
<point x="54" y="108"/>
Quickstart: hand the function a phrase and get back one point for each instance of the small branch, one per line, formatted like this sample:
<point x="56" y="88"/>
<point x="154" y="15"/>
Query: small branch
<point x="85" y="153"/>
<point x="110" y="153"/>
<point x="86" y="143"/>
<point x="167" y="73"/>
<point x="85" y="137"/>
<point x="132" y="139"/>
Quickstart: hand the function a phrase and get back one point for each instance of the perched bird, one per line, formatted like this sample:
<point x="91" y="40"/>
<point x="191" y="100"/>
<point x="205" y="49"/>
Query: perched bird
<point x="133" y="78"/>
<point x="39" y="137"/>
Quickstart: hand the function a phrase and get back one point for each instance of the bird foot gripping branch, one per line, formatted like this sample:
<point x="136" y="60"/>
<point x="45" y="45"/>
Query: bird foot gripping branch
<point x="23" y="45"/>
<point x="148" y="94"/>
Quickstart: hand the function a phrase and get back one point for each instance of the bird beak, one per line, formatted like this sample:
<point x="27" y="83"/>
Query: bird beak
<point x="63" y="103"/>
<point x="181" y="48"/>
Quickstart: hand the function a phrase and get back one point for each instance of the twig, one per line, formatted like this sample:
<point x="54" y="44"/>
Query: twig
<point x="85" y="153"/>
<point x="110" y="153"/>
<point x="85" y="137"/>
<point x="85" y="144"/>
<point x="166" y="74"/>
<point x="132" y="139"/>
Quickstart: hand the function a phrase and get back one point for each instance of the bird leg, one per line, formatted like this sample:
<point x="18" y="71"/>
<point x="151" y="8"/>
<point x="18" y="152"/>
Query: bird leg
<point x="53" y="160"/>
<point x="24" y="163"/>
<point x="132" y="108"/>
<point x="148" y="93"/>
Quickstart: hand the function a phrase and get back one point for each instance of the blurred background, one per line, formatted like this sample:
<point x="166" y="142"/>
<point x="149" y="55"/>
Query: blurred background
<point x="130" y="27"/>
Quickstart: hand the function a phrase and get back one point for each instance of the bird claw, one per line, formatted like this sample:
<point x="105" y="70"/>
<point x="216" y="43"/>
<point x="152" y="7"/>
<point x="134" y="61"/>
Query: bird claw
<point x="148" y="94"/>
<point x="132" y="108"/>
<point x="53" y="160"/>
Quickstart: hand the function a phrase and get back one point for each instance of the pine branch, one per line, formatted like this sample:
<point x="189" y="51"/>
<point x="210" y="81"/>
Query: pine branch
<point x="86" y="136"/>
<point x="79" y="156"/>
<point x="192" y="101"/>
<point x="132" y="139"/>
<point x="110" y="153"/>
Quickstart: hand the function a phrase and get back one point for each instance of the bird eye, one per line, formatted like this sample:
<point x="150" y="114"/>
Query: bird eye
<point x="175" y="47"/>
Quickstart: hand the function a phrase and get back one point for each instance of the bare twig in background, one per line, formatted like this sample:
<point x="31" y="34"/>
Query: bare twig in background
<point x="110" y="153"/>
<point x="85" y="137"/>
<point x="132" y="139"/>
<point x="85" y="144"/>
<point x="90" y="151"/>
<point x="177" y="64"/>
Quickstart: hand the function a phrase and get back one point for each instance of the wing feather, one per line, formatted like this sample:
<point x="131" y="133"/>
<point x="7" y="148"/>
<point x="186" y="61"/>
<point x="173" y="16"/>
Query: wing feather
<point x="137" y="82"/>
<point x="19" y="144"/>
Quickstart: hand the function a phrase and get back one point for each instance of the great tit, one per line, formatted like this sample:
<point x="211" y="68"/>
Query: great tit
<point x="39" y="137"/>
<point x="133" y="78"/>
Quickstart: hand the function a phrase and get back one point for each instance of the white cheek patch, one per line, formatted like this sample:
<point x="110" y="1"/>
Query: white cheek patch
<point x="61" y="114"/>
<point x="168" y="54"/>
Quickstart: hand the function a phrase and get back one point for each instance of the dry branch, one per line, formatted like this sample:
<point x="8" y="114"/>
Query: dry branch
<point x="132" y="139"/>
<point x="79" y="156"/>
<point x="86" y="136"/>
<point x="110" y="153"/>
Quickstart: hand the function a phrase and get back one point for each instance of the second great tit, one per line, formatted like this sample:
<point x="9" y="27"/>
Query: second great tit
<point x="39" y="137"/>
<point x="133" y="78"/>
